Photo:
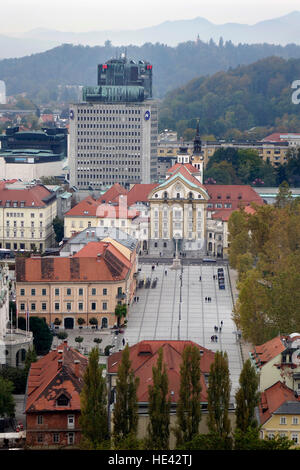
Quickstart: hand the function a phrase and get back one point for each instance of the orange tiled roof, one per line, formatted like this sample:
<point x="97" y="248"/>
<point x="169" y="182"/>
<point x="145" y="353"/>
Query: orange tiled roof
<point x="188" y="166"/>
<point x="267" y="351"/>
<point x="31" y="197"/>
<point x="109" y="266"/>
<point x="272" y="398"/>
<point x="139" y="193"/>
<point x="187" y="171"/>
<point x="237" y="195"/>
<point x="112" y="193"/>
<point x="48" y="379"/>
<point x="86" y="207"/>
<point x="143" y="357"/>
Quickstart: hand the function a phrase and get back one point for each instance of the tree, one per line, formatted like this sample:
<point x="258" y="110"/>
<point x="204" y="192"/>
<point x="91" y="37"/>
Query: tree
<point x="284" y="195"/>
<point x="247" y="398"/>
<point x="79" y="340"/>
<point x="93" y="403"/>
<point x="159" y="408"/>
<point x="30" y="357"/>
<point x="42" y="336"/>
<point x="218" y="396"/>
<point x="7" y="402"/>
<point x="126" y="407"/>
<point x="120" y="312"/>
<point x="58" y="227"/>
<point x="188" y="410"/>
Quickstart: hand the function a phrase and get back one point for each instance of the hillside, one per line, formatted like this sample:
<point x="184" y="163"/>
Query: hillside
<point x="258" y="95"/>
<point x="283" y="30"/>
<point x="40" y="75"/>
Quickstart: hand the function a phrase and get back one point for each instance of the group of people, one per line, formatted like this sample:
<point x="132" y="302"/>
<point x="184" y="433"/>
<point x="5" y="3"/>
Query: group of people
<point x="207" y="299"/>
<point x="136" y="299"/>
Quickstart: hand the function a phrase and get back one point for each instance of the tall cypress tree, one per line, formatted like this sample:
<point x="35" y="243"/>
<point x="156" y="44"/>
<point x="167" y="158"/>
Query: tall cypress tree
<point x="126" y="407"/>
<point x="189" y="405"/>
<point x="218" y="396"/>
<point x="159" y="408"/>
<point x="93" y="400"/>
<point x="247" y="398"/>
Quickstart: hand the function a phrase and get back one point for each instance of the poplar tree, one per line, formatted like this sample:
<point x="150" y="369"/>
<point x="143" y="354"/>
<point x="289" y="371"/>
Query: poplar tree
<point x="93" y="401"/>
<point x="159" y="408"/>
<point x="218" y="397"/>
<point x="189" y="404"/>
<point x="126" y="408"/>
<point x="247" y="398"/>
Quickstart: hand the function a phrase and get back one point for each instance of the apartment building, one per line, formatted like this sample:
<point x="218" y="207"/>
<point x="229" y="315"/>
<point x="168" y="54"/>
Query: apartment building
<point x="89" y="284"/>
<point x="26" y="215"/>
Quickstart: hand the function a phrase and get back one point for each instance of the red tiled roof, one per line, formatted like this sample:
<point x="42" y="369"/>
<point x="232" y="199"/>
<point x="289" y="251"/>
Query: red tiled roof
<point x="86" y="207"/>
<point x="31" y="197"/>
<point x="272" y="398"/>
<point x="139" y="193"/>
<point x="112" y="193"/>
<point x="279" y="136"/>
<point x="48" y="379"/>
<point x="267" y="351"/>
<point x="237" y="195"/>
<point x="222" y="214"/>
<point x="110" y="266"/>
<point x="143" y="357"/>
<point x="177" y="166"/>
<point x="115" y="211"/>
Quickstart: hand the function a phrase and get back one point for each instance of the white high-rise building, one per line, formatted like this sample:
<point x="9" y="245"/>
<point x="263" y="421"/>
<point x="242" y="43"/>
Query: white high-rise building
<point x="113" y="132"/>
<point x="2" y="92"/>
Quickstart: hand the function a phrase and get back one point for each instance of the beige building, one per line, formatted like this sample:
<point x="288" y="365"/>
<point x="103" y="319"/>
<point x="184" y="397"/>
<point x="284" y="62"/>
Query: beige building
<point x="88" y="285"/>
<point x="26" y="215"/>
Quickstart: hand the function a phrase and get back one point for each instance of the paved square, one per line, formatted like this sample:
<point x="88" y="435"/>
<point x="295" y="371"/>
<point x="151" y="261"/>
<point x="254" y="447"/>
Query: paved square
<point x="176" y="309"/>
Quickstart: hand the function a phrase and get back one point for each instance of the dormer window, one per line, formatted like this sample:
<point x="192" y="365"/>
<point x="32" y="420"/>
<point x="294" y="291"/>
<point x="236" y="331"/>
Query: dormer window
<point x="62" y="400"/>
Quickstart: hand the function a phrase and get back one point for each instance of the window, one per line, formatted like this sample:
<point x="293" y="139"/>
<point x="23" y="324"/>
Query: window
<point x="69" y="306"/>
<point x="93" y="291"/>
<point x="68" y="291"/>
<point x="33" y="292"/>
<point x="80" y="306"/>
<point x="56" y="291"/>
<point x="33" y="307"/>
<point x="44" y="306"/>
<point x="40" y="438"/>
<point x="93" y="306"/>
<point x="104" y="306"/>
<point x="62" y="400"/>
<point x="56" y="305"/>
<point x="295" y="420"/>
<point x="22" y="307"/>
<point x="71" y="421"/>
<point x="80" y="291"/>
<point x="40" y="419"/>
<point x="55" y="437"/>
<point x="44" y="291"/>
<point x="295" y="437"/>
<point x="70" y="438"/>
<point x="22" y="291"/>
<point x="282" y="420"/>
<point x="104" y="291"/>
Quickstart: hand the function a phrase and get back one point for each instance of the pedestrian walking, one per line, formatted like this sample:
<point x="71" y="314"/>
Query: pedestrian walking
<point x="200" y="278"/>
<point x="138" y="299"/>
<point x="216" y="328"/>
<point x="221" y="322"/>
<point x="205" y="299"/>
<point x="212" y="339"/>
<point x="166" y="272"/>
<point x="216" y="339"/>
<point x="134" y="299"/>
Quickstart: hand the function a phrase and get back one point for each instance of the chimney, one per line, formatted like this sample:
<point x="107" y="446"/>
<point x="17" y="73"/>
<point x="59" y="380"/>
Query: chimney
<point x="76" y="367"/>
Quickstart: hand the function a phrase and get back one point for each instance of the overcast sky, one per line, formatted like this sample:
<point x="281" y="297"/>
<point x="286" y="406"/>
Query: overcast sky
<point x="88" y="15"/>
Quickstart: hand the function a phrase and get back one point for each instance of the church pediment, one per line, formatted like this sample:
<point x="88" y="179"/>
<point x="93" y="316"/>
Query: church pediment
<point x="178" y="186"/>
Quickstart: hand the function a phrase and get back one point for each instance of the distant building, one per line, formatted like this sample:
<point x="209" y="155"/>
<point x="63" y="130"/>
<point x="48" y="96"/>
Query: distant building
<point x="52" y="401"/>
<point x="33" y="154"/>
<point x="26" y="215"/>
<point x="2" y="92"/>
<point x="113" y="131"/>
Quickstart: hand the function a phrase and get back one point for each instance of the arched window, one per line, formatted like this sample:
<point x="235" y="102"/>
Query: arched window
<point x="165" y="195"/>
<point x="178" y="196"/>
<point x="191" y="195"/>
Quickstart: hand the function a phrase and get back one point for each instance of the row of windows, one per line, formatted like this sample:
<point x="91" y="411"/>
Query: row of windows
<point x="108" y="111"/>
<point x="68" y="291"/>
<point x="57" y="306"/>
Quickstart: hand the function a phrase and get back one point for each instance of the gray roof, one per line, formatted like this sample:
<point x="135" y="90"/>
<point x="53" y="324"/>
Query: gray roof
<point x="289" y="408"/>
<point x="98" y="233"/>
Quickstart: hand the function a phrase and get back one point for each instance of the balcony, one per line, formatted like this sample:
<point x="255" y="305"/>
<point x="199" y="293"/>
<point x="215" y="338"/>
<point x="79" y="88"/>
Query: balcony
<point x="121" y="296"/>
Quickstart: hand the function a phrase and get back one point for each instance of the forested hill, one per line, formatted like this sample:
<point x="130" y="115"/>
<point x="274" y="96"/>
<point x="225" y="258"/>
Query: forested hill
<point x="257" y="95"/>
<point x="39" y="75"/>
